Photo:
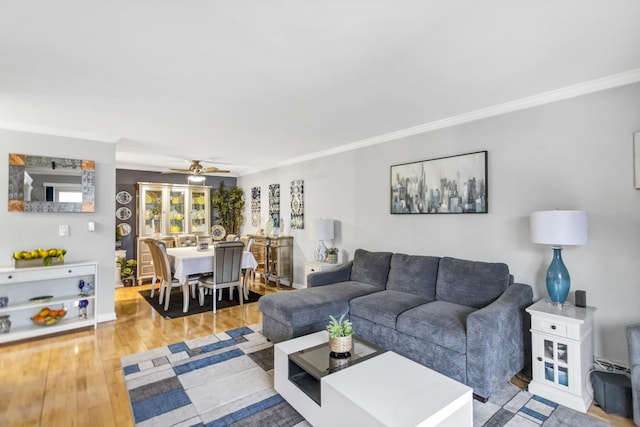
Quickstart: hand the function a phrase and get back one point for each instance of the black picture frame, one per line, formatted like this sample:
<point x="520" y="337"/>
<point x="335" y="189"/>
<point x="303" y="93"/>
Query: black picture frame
<point x="447" y="185"/>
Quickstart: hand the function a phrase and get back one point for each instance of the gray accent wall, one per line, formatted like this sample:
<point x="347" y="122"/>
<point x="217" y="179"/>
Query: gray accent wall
<point x="573" y="154"/>
<point x="127" y="180"/>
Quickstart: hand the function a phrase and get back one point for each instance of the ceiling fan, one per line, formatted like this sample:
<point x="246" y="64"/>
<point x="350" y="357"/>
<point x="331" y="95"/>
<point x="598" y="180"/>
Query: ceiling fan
<point x="196" y="169"/>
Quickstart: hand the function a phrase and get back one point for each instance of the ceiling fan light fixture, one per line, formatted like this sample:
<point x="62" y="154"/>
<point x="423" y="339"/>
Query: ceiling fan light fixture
<point x="197" y="178"/>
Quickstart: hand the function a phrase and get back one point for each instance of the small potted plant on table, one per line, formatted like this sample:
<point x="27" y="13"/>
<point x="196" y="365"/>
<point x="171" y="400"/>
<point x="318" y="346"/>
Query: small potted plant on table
<point x="332" y="255"/>
<point x="340" y="336"/>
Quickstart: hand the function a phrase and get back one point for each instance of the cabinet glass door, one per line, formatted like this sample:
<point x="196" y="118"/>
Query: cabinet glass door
<point x="152" y="214"/>
<point x="177" y="211"/>
<point x="199" y="212"/>
<point x="556" y="369"/>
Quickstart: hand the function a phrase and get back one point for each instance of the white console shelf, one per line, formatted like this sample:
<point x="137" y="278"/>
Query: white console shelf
<point x="60" y="282"/>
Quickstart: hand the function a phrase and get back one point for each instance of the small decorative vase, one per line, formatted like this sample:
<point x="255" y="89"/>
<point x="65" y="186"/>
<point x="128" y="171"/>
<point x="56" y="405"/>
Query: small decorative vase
<point x="340" y="346"/>
<point x="332" y="258"/>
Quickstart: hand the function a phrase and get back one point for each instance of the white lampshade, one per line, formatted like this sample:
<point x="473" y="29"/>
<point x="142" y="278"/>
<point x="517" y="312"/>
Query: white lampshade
<point x="559" y="228"/>
<point x="323" y="229"/>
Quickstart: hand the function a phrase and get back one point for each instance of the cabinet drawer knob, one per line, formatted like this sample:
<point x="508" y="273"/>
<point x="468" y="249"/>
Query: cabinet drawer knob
<point x="553" y="327"/>
<point x="10" y="277"/>
<point x="539" y="359"/>
<point x="70" y="271"/>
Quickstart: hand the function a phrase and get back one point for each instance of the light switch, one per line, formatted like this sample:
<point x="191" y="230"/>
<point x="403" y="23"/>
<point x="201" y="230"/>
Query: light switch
<point x="64" y="230"/>
<point x="91" y="226"/>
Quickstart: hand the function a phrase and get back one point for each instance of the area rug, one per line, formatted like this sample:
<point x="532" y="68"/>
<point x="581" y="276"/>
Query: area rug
<point x="175" y="304"/>
<point x="227" y="380"/>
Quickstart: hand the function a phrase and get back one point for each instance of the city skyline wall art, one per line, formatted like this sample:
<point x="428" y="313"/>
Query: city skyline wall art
<point x="446" y="185"/>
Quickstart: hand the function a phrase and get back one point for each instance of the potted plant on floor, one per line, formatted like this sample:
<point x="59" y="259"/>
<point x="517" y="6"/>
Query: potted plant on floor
<point x="127" y="270"/>
<point x="340" y="336"/>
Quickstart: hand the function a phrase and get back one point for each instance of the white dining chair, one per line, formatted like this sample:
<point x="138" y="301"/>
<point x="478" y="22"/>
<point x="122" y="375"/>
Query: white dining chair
<point x="168" y="281"/>
<point x="156" y="266"/>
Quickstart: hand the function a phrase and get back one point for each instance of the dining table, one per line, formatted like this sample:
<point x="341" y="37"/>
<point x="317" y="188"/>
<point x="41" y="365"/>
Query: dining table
<point x="187" y="261"/>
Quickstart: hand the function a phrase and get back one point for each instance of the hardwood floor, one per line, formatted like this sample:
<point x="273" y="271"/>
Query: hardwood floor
<point x="75" y="379"/>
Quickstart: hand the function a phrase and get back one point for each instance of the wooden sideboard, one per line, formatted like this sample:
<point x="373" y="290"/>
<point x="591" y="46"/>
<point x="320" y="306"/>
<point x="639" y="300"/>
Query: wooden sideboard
<point x="275" y="258"/>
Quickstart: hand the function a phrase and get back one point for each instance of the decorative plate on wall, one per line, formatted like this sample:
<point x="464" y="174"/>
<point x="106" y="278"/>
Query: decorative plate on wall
<point x="123" y="213"/>
<point x="123" y="197"/>
<point x="125" y="229"/>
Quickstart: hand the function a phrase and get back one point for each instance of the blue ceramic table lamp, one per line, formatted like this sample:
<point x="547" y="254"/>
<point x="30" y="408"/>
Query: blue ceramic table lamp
<point x="559" y="228"/>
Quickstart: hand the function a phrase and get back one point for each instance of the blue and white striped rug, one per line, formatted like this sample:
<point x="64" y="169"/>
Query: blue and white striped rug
<point x="227" y="379"/>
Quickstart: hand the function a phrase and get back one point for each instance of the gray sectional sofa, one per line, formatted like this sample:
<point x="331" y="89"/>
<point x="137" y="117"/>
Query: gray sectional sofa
<point x="462" y="318"/>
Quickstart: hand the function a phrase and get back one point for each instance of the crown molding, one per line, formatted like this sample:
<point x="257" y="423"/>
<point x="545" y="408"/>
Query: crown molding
<point x="609" y="82"/>
<point x="69" y="133"/>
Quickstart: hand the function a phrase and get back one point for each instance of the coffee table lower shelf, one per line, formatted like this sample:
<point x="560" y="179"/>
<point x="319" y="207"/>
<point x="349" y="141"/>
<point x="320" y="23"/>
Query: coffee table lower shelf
<point x="383" y="390"/>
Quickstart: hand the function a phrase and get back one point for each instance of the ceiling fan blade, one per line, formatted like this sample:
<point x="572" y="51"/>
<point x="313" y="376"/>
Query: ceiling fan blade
<point x="213" y="169"/>
<point x="183" y="171"/>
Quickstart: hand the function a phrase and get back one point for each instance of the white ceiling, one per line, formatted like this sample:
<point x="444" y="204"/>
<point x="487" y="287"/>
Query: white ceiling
<point x="251" y="84"/>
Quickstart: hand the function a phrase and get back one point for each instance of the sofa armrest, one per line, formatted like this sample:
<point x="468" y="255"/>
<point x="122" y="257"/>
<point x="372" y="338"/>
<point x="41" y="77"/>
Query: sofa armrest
<point x="328" y="277"/>
<point x="497" y="336"/>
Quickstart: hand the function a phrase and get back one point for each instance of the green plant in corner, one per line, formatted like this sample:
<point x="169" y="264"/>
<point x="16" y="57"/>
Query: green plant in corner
<point x="339" y="327"/>
<point x="228" y="205"/>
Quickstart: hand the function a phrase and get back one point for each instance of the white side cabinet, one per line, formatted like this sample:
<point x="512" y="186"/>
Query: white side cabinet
<point x="313" y="266"/>
<point x="22" y="285"/>
<point x="562" y="352"/>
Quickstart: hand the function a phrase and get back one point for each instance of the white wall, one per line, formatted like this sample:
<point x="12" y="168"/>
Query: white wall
<point x="574" y="154"/>
<point x="27" y="230"/>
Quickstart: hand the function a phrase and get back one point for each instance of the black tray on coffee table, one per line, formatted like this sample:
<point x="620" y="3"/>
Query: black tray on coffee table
<point x="308" y="366"/>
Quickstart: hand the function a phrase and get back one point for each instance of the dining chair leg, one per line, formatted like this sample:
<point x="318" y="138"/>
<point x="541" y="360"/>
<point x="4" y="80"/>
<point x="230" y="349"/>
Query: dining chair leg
<point x="167" y="297"/>
<point x="161" y="292"/>
<point x="201" y="289"/>
<point x="153" y="285"/>
<point x="214" y="298"/>
<point x="245" y="286"/>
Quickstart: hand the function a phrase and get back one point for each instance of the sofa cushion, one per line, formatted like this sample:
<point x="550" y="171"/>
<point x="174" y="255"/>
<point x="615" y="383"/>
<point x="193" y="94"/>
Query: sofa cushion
<point x="414" y="274"/>
<point x="384" y="307"/>
<point x="307" y="306"/>
<point x="472" y="283"/>
<point x="371" y="267"/>
<point x="439" y="322"/>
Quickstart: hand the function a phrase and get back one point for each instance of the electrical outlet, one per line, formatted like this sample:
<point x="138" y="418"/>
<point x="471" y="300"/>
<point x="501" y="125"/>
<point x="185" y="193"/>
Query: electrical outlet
<point x="63" y="230"/>
<point x="91" y="226"/>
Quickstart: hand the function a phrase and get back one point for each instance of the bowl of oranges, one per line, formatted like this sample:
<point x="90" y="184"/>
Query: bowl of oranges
<point x="48" y="316"/>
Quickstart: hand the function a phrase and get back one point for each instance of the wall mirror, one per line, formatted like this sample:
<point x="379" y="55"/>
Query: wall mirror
<point x="51" y="184"/>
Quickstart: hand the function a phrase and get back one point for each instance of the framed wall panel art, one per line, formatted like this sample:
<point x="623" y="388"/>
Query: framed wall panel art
<point x="255" y="206"/>
<point x="446" y="185"/>
<point x="297" y="204"/>
<point x="274" y="204"/>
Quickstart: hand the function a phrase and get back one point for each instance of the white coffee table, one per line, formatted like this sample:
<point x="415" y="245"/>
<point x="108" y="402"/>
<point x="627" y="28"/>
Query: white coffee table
<point x="385" y="390"/>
